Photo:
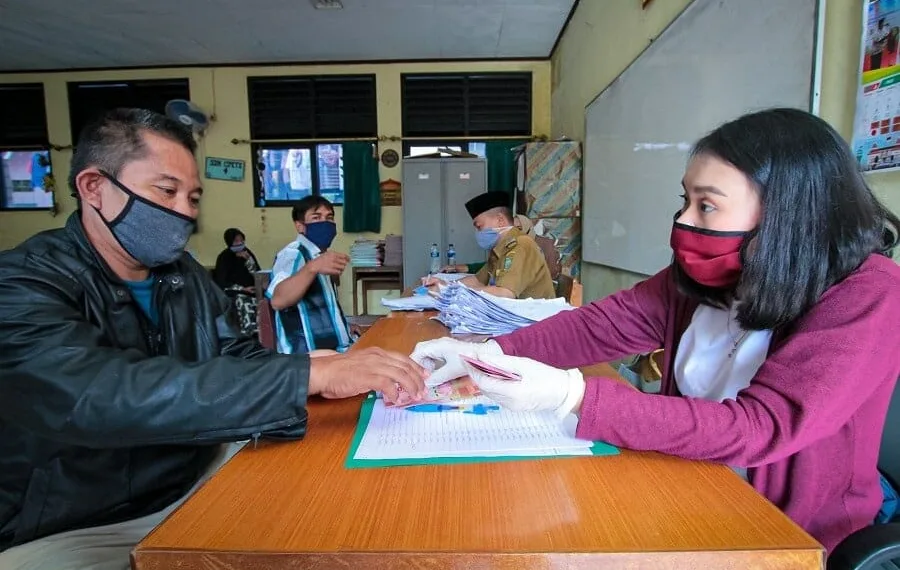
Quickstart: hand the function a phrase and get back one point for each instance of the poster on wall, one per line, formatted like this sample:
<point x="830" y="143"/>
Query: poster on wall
<point x="876" y="125"/>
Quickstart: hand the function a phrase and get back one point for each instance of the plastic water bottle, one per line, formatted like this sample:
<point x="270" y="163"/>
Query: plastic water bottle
<point x="451" y="255"/>
<point x="435" y="259"/>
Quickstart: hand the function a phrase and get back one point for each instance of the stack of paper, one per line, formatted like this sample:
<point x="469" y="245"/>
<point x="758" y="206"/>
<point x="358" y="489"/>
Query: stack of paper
<point x="399" y="433"/>
<point x="464" y="310"/>
<point x="364" y="253"/>
<point x="450" y="277"/>
<point x="414" y="303"/>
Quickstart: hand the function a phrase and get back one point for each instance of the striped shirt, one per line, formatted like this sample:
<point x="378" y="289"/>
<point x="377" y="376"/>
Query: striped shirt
<point x="317" y="321"/>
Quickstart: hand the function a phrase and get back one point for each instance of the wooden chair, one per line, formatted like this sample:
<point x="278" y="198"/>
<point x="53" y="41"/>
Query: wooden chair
<point x="576" y="298"/>
<point x="564" y="286"/>
<point x="265" y="323"/>
<point x="551" y="255"/>
<point x="265" y="315"/>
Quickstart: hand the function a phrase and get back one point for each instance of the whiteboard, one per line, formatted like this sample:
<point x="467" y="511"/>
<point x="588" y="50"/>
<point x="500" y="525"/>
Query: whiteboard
<point x="718" y="60"/>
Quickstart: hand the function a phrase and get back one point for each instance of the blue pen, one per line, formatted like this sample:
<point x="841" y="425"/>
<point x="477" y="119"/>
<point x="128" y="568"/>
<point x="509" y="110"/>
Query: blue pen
<point x="477" y="409"/>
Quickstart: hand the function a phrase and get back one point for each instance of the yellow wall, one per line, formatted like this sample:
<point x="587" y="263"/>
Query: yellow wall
<point x="604" y="37"/>
<point x="223" y="91"/>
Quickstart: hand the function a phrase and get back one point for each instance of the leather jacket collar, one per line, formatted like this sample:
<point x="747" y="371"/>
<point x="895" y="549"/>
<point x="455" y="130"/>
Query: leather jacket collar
<point x="170" y="274"/>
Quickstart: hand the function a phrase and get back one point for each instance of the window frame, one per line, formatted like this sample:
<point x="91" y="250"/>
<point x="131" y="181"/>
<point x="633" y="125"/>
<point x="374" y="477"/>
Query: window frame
<point x="312" y="81"/>
<point x="73" y="86"/>
<point x="466" y="79"/>
<point x="38" y="143"/>
<point x="4" y="207"/>
<point x="313" y="147"/>
<point x="463" y="144"/>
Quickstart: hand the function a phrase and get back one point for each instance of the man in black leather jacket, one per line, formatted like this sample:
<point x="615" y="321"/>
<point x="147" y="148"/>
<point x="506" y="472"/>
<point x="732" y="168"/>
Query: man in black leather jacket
<point x="121" y="371"/>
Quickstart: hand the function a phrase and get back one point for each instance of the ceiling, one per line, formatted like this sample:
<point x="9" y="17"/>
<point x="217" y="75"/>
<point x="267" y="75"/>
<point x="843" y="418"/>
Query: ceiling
<point x="70" y="34"/>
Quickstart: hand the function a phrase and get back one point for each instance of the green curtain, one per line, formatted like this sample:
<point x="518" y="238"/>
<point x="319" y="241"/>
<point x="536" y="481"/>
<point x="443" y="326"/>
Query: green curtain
<point x="362" y="199"/>
<point x="501" y="165"/>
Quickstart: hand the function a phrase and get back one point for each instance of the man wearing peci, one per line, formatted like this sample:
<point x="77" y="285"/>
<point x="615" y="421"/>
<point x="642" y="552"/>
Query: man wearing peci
<point x="515" y="268"/>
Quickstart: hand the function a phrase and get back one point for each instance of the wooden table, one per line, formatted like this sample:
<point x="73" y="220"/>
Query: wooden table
<point x="384" y="278"/>
<point x="294" y="505"/>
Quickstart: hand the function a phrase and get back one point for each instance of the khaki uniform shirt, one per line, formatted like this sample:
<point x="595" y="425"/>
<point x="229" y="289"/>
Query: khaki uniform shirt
<point x="517" y="263"/>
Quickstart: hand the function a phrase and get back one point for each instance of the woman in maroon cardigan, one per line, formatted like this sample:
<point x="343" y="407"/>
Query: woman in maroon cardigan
<point x="780" y="319"/>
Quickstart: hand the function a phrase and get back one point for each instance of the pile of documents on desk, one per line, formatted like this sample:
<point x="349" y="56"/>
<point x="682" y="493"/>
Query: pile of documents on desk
<point x="464" y="310"/>
<point x="421" y="301"/>
<point x="365" y="253"/>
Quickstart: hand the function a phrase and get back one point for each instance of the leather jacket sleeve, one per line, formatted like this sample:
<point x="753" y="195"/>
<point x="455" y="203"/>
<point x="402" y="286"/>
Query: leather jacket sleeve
<point x="63" y="381"/>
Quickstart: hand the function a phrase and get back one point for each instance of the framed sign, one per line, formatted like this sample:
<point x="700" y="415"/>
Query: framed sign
<point x="391" y="194"/>
<point x="224" y="169"/>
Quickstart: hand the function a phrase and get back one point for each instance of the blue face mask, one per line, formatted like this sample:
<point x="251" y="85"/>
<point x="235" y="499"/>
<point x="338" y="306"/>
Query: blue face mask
<point x="487" y="238"/>
<point x="321" y="233"/>
<point x="238" y="248"/>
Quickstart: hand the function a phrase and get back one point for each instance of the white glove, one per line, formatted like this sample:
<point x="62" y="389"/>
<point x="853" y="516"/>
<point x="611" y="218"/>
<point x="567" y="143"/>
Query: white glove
<point x="542" y="387"/>
<point x="442" y="357"/>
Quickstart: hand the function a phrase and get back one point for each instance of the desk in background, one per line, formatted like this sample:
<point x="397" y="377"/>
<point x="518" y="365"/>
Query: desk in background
<point x="384" y="278"/>
<point x="294" y="505"/>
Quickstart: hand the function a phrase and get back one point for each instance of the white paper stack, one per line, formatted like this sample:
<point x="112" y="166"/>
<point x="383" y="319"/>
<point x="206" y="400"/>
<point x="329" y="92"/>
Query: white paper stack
<point x="464" y="310"/>
<point x="450" y="277"/>
<point x="414" y="303"/>
<point x="364" y="253"/>
<point x="396" y="433"/>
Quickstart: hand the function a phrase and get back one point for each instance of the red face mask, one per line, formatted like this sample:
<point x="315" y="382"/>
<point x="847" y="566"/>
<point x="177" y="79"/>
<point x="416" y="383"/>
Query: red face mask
<point x="708" y="257"/>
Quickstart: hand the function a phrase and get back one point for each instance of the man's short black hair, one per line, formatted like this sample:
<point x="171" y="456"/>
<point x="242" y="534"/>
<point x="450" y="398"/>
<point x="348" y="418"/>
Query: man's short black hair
<point x="115" y="138"/>
<point x="311" y="202"/>
<point x="504" y="211"/>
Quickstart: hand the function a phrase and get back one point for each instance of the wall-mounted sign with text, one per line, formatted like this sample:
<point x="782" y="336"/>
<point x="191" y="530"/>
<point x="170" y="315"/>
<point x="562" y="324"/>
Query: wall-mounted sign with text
<point x="224" y="169"/>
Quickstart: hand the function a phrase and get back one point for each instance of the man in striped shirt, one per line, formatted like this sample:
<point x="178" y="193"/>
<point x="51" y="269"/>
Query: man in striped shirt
<point x="308" y="315"/>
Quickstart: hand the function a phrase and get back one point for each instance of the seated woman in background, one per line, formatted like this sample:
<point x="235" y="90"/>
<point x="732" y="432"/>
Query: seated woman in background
<point x="234" y="271"/>
<point x="780" y="319"/>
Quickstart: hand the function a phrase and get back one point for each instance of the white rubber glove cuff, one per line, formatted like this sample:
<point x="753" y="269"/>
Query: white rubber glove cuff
<point x="489" y="347"/>
<point x="574" y="393"/>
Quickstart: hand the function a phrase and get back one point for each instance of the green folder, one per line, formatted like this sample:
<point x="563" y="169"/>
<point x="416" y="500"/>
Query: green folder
<point x="599" y="448"/>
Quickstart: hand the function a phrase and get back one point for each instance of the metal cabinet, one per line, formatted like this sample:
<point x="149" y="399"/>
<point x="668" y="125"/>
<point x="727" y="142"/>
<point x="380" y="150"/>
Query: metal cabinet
<point x="435" y="191"/>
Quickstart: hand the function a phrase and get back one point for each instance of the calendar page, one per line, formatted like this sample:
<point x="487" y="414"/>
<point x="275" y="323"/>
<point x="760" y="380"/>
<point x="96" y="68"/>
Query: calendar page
<point x="876" y="126"/>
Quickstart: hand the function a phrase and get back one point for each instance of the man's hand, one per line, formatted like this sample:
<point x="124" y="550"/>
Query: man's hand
<point x="433" y="283"/>
<point x="358" y="371"/>
<point x="442" y="357"/>
<point x="330" y="263"/>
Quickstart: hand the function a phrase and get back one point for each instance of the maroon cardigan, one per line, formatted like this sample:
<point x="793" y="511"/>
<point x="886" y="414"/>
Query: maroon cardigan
<point x="808" y="427"/>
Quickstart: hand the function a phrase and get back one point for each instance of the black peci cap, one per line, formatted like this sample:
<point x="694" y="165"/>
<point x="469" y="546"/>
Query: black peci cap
<point x="487" y="201"/>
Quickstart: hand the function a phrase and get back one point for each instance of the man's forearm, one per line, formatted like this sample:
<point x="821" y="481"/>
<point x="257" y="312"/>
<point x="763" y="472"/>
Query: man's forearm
<point x="289" y="292"/>
<point x="498" y="291"/>
<point x="473" y="283"/>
